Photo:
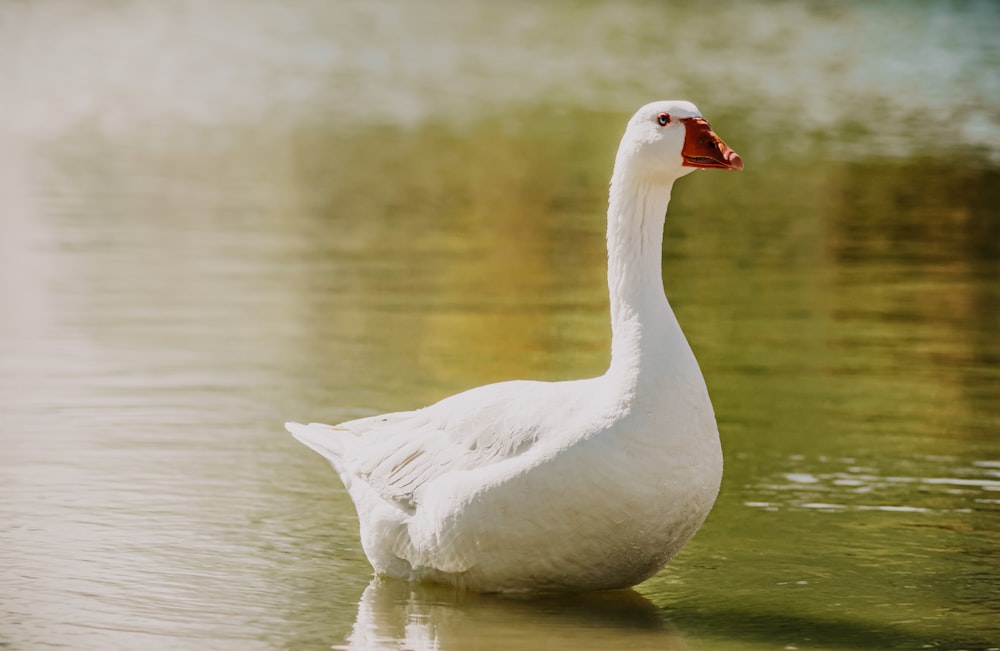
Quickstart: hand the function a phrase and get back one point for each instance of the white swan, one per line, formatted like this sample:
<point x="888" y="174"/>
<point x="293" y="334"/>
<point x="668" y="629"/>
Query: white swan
<point x="558" y="486"/>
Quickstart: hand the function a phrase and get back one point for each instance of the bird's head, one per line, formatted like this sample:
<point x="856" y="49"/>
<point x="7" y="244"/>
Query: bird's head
<point x="668" y="139"/>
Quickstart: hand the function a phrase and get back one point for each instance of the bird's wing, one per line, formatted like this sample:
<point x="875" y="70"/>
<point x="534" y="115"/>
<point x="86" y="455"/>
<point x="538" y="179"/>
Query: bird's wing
<point x="397" y="454"/>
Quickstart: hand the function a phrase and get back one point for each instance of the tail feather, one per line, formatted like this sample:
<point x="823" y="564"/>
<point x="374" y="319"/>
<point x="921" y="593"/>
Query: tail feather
<point x="323" y="439"/>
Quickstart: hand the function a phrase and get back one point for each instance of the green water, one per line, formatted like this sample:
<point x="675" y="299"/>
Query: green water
<point x="216" y="218"/>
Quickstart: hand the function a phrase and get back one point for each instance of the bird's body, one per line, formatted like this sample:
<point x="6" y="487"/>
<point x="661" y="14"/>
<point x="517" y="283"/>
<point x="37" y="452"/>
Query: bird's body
<point x="557" y="486"/>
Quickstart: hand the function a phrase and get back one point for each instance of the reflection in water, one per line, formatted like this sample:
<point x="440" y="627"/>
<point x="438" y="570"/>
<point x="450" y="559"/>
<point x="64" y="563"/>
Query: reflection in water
<point x="398" y="615"/>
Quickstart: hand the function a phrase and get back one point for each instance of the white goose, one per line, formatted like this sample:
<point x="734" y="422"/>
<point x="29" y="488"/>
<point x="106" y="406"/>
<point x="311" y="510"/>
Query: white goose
<point x="558" y="486"/>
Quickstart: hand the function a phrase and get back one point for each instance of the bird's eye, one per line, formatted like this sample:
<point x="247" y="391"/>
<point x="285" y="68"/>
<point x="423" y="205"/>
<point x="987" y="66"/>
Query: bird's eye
<point x="663" y="119"/>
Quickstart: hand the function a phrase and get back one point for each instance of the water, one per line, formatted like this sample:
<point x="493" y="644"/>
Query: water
<point x="216" y="217"/>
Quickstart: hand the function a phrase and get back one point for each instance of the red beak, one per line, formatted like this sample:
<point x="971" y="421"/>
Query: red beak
<point x="702" y="148"/>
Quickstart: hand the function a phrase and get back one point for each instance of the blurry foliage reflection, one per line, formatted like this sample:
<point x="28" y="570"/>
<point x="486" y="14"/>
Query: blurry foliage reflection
<point x="464" y="245"/>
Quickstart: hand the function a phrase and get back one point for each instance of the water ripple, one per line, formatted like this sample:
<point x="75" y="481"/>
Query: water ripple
<point x="860" y="488"/>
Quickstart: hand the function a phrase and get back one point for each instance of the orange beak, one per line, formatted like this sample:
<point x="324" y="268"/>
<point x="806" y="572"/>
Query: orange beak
<point x="704" y="149"/>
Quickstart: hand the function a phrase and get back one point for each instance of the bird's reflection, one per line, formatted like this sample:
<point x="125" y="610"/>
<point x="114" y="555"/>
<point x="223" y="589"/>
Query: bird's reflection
<point x="398" y="615"/>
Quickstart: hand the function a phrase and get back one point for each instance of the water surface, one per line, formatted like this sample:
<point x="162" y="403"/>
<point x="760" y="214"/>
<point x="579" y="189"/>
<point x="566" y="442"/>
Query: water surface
<point x="214" y="218"/>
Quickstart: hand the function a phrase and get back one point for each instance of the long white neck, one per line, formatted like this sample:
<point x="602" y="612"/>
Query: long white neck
<point x="643" y="327"/>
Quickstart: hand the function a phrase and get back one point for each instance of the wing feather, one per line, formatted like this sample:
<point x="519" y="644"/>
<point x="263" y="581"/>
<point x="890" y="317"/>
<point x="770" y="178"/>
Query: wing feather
<point x="398" y="454"/>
